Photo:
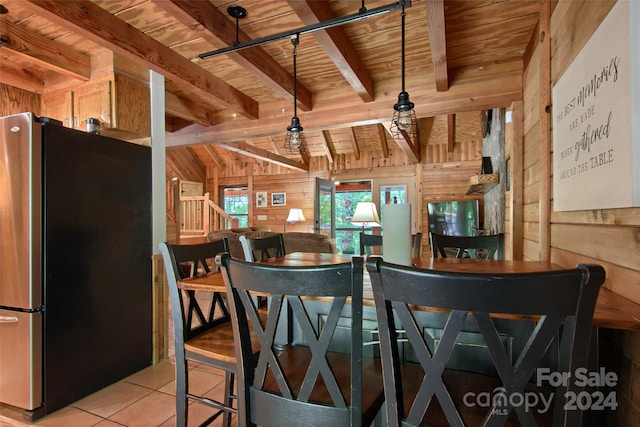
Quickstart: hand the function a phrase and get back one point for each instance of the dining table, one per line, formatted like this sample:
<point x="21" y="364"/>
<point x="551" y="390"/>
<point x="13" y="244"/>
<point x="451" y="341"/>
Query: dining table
<point x="612" y="310"/>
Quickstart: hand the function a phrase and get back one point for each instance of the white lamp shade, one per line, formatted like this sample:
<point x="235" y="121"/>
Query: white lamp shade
<point x="295" y="215"/>
<point x="366" y="214"/>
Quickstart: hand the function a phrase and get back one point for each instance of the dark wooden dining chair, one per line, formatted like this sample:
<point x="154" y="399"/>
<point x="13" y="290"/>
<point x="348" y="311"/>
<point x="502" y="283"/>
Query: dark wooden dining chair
<point x="304" y="383"/>
<point x="555" y="305"/>
<point x="476" y="247"/>
<point x="204" y="339"/>
<point x="416" y="245"/>
<point x="368" y="242"/>
<point x="262" y="248"/>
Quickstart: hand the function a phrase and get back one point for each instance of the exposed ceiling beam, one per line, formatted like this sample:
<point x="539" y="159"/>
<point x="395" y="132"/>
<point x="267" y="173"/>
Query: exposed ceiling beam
<point x="113" y="33"/>
<point x="173" y="124"/>
<point x="409" y="147"/>
<point x="337" y="45"/>
<point x="451" y="132"/>
<point x="274" y="145"/>
<point x="247" y="149"/>
<point x="190" y="110"/>
<point x="325" y="137"/>
<point x="382" y="136"/>
<point x="44" y="52"/>
<point x="216" y="28"/>
<point x="475" y="89"/>
<point x="438" y="41"/>
<point x="354" y="143"/>
<point x="13" y="74"/>
<point x="214" y="156"/>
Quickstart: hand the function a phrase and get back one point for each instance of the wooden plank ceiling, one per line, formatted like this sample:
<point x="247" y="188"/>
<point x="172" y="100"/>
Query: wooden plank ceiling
<point x="461" y="55"/>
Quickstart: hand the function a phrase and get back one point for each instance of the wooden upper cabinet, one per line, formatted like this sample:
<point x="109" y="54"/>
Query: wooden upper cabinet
<point x="59" y="106"/>
<point x="122" y="105"/>
<point x="92" y="101"/>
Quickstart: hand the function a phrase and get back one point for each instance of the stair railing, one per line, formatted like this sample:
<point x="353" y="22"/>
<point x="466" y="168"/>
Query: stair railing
<point x="199" y="216"/>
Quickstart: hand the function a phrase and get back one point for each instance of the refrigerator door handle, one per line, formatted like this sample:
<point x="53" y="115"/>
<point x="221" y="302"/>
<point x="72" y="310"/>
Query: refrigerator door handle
<point x="8" y="319"/>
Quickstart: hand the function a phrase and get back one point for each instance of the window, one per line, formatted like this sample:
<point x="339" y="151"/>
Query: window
<point x="235" y="202"/>
<point x="348" y="194"/>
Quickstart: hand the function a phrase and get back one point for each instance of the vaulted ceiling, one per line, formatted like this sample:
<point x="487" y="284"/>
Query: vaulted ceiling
<point x="461" y="55"/>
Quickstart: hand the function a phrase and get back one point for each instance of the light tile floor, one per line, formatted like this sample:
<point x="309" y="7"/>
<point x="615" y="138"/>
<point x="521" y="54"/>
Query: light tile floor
<point x="144" y="399"/>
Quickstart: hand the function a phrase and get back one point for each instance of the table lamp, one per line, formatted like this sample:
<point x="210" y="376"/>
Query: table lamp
<point x="366" y="215"/>
<point x="295" y="215"/>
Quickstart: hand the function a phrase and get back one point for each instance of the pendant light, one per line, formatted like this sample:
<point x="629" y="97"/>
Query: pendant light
<point x="295" y="140"/>
<point x="404" y="123"/>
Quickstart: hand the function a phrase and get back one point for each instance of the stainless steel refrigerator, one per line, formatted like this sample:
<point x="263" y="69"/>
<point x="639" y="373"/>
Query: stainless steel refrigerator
<point x="75" y="262"/>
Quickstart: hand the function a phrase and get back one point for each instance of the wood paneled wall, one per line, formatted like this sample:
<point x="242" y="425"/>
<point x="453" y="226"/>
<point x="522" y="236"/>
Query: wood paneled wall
<point x="609" y="237"/>
<point x="443" y="175"/>
<point x="15" y="101"/>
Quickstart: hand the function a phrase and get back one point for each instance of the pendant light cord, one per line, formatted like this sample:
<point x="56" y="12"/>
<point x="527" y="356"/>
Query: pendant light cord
<point x="294" y="41"/>
<point x="403" y="14"/>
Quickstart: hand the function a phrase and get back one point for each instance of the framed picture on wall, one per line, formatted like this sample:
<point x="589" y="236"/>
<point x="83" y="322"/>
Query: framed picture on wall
<point x="278" y="199"/>
<point x="261" y="199"/>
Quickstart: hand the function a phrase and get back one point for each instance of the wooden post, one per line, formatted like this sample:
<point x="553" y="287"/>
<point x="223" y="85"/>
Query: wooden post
<point x="544" y="207"/>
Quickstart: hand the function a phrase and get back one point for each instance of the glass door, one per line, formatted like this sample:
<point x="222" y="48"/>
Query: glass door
<point x="399" y="190"/>
<point x="324" y="208"/>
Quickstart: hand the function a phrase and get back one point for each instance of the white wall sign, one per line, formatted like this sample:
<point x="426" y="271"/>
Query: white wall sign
<point x="596" y="118"/>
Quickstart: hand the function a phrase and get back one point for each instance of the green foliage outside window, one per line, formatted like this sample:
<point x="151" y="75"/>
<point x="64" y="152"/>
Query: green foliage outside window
<point x="236" y="205"/>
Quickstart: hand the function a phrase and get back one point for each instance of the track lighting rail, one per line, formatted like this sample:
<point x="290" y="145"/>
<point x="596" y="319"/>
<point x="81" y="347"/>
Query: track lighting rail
<point x="360" y="15"/>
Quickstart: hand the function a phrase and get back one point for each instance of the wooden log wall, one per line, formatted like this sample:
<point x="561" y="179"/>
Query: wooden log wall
<point x="609" y="237"/>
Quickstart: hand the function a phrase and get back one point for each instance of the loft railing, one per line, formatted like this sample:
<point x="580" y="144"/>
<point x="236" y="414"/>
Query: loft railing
<point x="170" y="194"/>
<point x="198" y="216"/>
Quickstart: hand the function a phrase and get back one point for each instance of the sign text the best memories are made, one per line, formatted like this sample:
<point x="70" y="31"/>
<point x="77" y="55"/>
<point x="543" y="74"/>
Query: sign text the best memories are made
<point x="596" y="118"/>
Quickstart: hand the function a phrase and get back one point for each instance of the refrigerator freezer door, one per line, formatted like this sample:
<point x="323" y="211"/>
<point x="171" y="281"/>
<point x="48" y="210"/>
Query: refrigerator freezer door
<point x="21" y="359"/>
<point x="20" y="207"/>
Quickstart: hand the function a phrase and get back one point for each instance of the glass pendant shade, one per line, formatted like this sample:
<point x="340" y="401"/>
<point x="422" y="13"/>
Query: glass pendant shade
<point x="295" y="138"/>
<point x="404" y="122"/>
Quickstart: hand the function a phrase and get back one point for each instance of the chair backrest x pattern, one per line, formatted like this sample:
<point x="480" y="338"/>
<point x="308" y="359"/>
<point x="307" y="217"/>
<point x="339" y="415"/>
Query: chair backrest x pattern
<point x="262" y="248"/>
<point x="187" y="261"/>
<point x="562" y="301"/>
<point x="264" y="382"/>
<point x="472" y="246"/>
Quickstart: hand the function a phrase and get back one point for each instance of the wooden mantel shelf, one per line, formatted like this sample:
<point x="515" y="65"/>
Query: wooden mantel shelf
<point x="481" y="183"/>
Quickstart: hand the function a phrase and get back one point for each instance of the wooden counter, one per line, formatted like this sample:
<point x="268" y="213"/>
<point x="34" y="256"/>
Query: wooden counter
<point x="612" y="311"/>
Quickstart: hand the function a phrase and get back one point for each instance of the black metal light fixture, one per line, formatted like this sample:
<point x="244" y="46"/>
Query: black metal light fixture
<point x="295" y="140"/>
<point x="404" y="123"/>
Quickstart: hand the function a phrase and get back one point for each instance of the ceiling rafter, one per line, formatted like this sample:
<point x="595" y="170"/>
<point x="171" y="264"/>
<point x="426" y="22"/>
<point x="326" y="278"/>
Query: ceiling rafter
<point x="354" y="143"/>
<point x="218" y="29"/>
<point x="274" y="145"/>
<point x="451" y="132"/>
<point x="113" y="33"/>
<point x="410" y="148"/>
<point x="325" y="137"/>
<point x="214" y="156"/>
<point x="382" y="134"/>
<point x="243" y="147"/>
<point x="335" y="42"/>
<point x="44" y="52"/>
<point x="438" y="41"/>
